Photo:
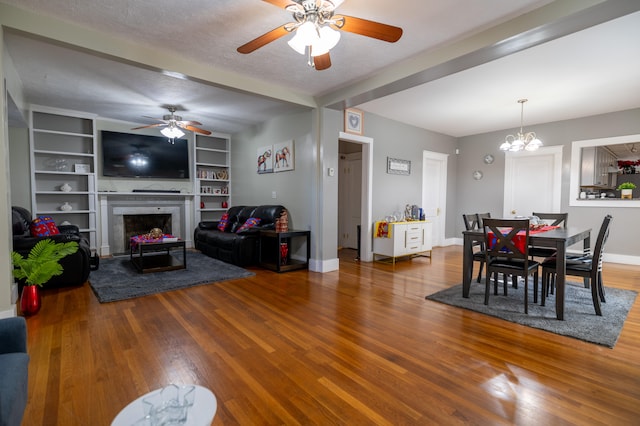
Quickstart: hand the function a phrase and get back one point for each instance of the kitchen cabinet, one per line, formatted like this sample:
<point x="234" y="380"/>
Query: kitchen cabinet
<point x="595" y="165"/>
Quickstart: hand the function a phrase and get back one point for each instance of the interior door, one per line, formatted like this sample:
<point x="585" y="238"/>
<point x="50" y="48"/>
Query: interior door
<point x="434" y="192"/>
<point x="532" y="181"/>
<point x="350" y="199"/>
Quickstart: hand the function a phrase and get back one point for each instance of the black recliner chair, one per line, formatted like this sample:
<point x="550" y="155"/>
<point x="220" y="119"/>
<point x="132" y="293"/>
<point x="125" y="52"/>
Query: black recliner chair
<point x="76" y="266"/>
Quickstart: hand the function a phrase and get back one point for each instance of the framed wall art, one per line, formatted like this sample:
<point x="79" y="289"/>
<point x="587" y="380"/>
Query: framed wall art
<point x="353" y="121"/>
<point x="283" y="157"/>
<point x="396" y="166"/>
<point x="265" y="159"/>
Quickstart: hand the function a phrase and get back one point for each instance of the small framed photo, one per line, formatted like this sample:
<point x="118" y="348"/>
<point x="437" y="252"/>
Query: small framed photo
<point x="81" y="168"/>
<point x="353" y="121"/>
<point x="396" y="166"/>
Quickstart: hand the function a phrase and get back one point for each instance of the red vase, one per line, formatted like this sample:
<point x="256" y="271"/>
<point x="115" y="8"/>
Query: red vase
<point x="284" y="250"/>
<point x="30" y="301"/>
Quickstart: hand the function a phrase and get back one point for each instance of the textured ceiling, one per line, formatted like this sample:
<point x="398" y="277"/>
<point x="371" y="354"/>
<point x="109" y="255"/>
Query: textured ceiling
<point x="227" y="91"/>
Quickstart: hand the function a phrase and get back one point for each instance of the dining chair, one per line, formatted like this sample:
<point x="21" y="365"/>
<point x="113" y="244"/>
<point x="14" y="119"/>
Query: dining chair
<point x="507" y="252"/>
<point x="483" y="216"/>
<point x="553" y="219"/>
<point x="472" y="223"/>
<point x="589" y="267"/>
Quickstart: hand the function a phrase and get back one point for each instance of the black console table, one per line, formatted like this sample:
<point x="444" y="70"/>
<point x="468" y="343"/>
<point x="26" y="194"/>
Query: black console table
<point x="271" y="256"/>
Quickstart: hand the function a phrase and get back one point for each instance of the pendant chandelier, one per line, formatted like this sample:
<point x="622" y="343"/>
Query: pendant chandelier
<point x="522" y="140"/>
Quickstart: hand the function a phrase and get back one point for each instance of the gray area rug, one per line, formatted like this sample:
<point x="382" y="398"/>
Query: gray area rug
<point x="117" y="279"/>
<point x="581" y="321"/>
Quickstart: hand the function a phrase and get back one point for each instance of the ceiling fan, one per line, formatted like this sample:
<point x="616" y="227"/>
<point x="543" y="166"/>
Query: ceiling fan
<point x="173" y="123"/>
<point x="315" y="28"/>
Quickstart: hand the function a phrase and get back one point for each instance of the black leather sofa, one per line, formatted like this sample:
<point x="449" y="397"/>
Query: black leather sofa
<point x="230" y="246"/>
<point x="76" y="266"/>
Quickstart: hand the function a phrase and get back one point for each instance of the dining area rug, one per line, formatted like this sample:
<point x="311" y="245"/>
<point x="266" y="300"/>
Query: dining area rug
<point x="117" y="279"/>
<point x="581" y="321"/>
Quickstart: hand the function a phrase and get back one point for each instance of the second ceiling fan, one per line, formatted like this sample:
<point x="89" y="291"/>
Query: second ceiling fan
<point x="317" y="29"/>
<point x="172" y="123"/>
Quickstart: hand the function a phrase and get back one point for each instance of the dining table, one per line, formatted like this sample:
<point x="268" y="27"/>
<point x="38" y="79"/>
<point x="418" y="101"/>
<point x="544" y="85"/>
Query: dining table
<point x="558" y="238"/>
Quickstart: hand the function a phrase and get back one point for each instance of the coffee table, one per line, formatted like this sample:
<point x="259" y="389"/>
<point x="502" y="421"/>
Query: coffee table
<point x="155" y="256"/>
<point x="201" y="413"/>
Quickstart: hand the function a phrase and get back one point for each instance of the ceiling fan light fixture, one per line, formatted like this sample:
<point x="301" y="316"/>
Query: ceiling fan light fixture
<point x="329" y="38"/>
<point x="172" y="132"/>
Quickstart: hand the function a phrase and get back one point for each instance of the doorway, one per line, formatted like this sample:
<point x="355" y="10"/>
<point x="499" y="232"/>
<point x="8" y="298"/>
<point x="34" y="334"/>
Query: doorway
<point x="360" y="182"/>
<point x="349" y="193"/>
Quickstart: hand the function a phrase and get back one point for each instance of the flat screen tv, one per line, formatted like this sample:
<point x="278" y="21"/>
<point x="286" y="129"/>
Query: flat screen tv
<point x="141" y="156"/>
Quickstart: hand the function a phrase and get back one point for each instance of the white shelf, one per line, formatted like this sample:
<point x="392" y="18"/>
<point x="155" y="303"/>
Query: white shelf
<point x="58" y="132"/>
<point x="224" y="166"/>
<point x="65" y="153"/>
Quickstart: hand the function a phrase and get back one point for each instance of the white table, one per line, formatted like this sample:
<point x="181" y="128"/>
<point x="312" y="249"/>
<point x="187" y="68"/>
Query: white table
<point x="201" y="413"/>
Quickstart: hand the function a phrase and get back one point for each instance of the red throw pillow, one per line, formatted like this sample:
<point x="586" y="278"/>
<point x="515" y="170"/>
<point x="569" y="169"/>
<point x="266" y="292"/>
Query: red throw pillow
<point x="223" y="223"/>
<point x="43" y="226"/>
<point x="250" y="223"/>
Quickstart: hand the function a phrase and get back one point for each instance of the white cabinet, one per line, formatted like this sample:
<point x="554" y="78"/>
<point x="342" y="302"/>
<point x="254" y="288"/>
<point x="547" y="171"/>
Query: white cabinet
<point x="405" y="239"/>
<point x="63" y="165"/>
<point x="213" y="176"/>
<point x="595" y="167"/>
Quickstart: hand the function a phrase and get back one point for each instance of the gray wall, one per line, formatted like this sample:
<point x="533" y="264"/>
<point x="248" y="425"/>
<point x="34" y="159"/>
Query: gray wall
<point x="393" y="192"/>
<point x="294" y="189"/>
<point x="487" y="194"/>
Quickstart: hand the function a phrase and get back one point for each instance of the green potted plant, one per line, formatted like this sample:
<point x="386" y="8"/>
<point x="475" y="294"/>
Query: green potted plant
<point x="42" y="263"/>
<point x="626" y="189"/>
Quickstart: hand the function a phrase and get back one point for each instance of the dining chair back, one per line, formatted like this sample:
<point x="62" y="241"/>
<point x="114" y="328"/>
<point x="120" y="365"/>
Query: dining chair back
<point x="552" y="219"/>
<point x="472" y="223"/>
<point x="482" y="217"/>
<point x="507" y="252"/>
<point x="587" y="267"/>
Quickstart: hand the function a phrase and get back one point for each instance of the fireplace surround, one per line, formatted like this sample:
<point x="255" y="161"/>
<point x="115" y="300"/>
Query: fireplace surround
<point x="114" y="207"/>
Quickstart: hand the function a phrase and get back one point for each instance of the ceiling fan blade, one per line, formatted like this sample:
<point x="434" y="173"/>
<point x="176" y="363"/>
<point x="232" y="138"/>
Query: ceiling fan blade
<point x="368" y="28"/>
<point x="191" y="122"/>
<point x="322" y="62"/>
<point x="149" y="126"/>
<point x="263" y="39"/>
<point x="194" y="129"/>
<point x="280" y="3"/>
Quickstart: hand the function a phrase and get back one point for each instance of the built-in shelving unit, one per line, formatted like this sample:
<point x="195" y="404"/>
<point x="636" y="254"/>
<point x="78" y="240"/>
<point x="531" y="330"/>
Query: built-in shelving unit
<point x="63" y="165"/>
<point x="213" y="176"/>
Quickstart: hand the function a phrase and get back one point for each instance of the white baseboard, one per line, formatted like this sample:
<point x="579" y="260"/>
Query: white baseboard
<point x="324" y="265"/>
<point x="9" y="313"/>
<point x="14" y="293"/>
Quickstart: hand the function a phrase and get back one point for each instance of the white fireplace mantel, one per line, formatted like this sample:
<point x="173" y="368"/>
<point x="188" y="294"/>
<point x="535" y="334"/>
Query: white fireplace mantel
<point x="113" y="207"/>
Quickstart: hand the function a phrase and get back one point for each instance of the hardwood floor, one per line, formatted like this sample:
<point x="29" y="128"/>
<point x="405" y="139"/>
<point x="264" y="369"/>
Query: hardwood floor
<point x="356" y="346"/>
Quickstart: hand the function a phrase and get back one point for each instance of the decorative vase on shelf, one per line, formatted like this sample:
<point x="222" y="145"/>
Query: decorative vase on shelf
<point x="65" y="187"/>
<point x="30" y="301"/>
<point x="66" y="207"/>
